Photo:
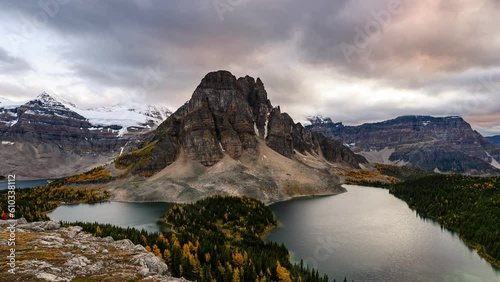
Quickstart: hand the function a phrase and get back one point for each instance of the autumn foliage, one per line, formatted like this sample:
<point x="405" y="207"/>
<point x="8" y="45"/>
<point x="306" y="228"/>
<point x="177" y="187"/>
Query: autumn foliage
<point x="217" y="239"/>
<point x="95" y="175"/>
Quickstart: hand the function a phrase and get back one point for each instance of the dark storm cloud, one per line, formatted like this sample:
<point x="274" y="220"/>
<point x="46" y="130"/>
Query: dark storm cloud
<point x="11" y="64"/>
<point x="111" y="43"/>
<point x="435" y="47"/>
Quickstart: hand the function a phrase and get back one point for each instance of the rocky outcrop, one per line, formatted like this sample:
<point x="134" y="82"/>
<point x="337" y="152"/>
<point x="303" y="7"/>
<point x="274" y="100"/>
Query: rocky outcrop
<point x="227" y="116"/>
<point x="229" y="139"/>
<point x="47" y="252"/>
<point x="447" y="144"/>
<point x="49" y="137"/>
<point x="280" y="133"/>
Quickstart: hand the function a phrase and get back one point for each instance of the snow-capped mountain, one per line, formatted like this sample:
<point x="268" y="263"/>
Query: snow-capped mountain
<point x="319" y="119"/>
<point x="125" y="116"/>
<point x="53" y="137"/>
<point x="6" y="103"/>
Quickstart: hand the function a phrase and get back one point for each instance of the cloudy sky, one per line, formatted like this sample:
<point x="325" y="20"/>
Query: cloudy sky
<point x="353" y="60"/>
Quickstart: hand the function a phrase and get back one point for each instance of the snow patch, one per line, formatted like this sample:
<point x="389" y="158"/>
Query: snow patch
<point x="7" y="143"/>
<point x="120" y="132"/>
<point x="9" y="104"/>
<point x="319" y="119"/>
<point x="12" y="114"/>
<point x="125" y="115"/>
<point x="493" y="161"/>
<point x="14" y="122"/>
<point x="119" y="115"/>
<point x="265" y="128"/>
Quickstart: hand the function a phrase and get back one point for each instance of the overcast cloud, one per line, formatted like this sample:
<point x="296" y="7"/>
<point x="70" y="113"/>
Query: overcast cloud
<point x="355" y="61"/>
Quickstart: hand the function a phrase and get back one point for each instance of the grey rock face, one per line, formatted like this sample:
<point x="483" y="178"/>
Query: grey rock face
<point x="227" y="116"/>
<point x="78" y="262"/>
<point x="40" y="226"/>
<point x="47" y="276"/>
<point x="47" y="138"/>
<point x="99" y="258"/>
<point x="280" y="133"/>
<point x="150" y="264"/>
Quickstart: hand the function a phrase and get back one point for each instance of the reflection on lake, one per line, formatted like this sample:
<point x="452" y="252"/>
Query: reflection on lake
<point x="137" y="215"/>
<point x="367" y="234"/>
<point x="20" y="184"/>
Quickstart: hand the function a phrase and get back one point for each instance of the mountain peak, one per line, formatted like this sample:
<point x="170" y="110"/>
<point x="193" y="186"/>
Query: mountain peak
<point x="44" y="96"/>
<point x="230" y="130"/>
<point x="219" y="80"/>
<point x="314" y="120"/>
<point x="229" y="116"/>
<point x="51" y="100"/>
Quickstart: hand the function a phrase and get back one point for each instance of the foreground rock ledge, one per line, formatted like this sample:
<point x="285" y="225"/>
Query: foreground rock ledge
<point x="47" y="252"/>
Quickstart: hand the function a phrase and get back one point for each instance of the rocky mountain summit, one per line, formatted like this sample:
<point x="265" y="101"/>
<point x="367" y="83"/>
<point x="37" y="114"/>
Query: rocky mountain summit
<point x="444" y="144"/>
<point x="48" y="137"/>
<point x="227" y="116"/>
<point x="47" y="252"/>
<point x="228" y="138"/>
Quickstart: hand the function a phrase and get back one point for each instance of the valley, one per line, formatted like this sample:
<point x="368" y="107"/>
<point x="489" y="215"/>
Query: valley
<point x="249" y="141"/>
<point x="214" y="189"/>
<point x="332" y="234"/>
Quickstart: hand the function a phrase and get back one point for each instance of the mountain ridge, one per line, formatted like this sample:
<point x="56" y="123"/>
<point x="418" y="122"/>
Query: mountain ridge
<point x="229" y="139"/>
<point x="494" y="139"/>
<point x="54" y="138"/>
<point x="442" y="144"/>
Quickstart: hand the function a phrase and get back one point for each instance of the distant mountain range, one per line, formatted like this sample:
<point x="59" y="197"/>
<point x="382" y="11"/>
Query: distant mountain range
<point x="231" y="125"/>
<point x="50" y="137"/>
<point x="494" y="139"/>
<point x="441" y="144"/>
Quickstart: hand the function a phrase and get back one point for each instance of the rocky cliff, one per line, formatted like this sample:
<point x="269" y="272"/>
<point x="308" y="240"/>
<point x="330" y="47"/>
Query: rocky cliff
<point x="445" y="144"/>
<point x="47" y="252"/>
<point x="229" y="138"/>
<point x="48" y="137"/>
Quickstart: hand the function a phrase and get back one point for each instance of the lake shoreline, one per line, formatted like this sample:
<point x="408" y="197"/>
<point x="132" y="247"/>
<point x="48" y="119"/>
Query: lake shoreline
<point x="299" y="197"/>
<point x="373" y="228"/>
<point x="477" y="247"/>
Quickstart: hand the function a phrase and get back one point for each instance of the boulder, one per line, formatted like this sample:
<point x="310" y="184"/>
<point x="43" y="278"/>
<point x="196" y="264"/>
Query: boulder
<point x="150" y="264"/>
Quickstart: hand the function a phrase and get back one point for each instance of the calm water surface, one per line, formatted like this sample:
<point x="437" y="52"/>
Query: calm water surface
<point x="367" y="234"/>
<point x="20" y="184"/>
<point x="137" y="215"/>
